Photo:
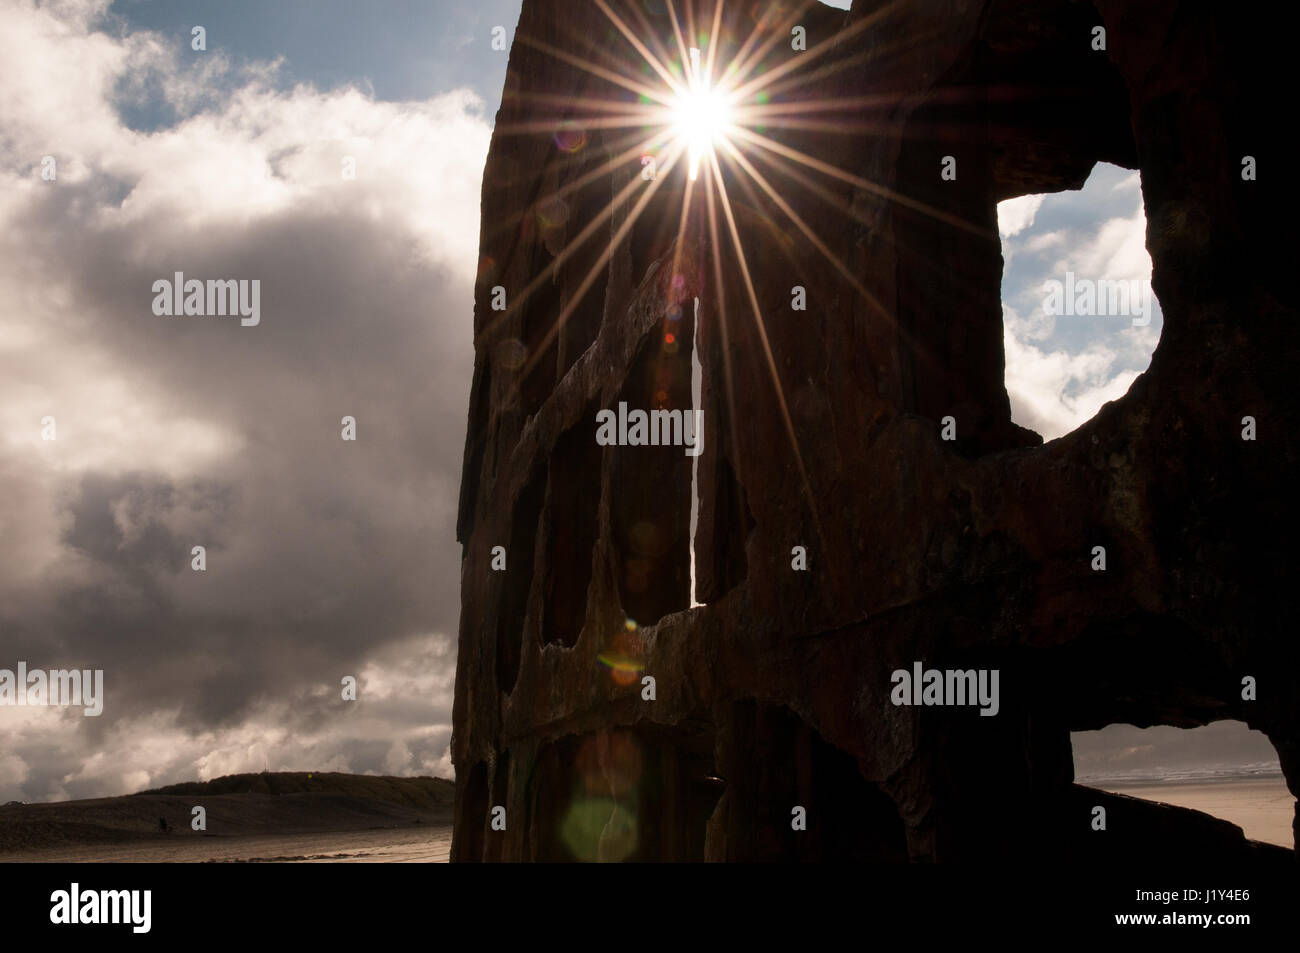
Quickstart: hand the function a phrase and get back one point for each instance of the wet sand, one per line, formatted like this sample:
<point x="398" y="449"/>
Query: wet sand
<point x="1262" y="807"/>
<point x="412" y="845"/>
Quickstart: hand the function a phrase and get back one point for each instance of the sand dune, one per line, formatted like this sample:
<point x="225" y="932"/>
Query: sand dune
<point x="292" y="816"/>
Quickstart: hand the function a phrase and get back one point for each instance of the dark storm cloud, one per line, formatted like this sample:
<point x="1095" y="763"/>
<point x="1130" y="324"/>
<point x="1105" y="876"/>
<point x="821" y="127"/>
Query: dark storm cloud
<point x="1159" y="751"/>
<point x="324" y="557"/>
<point x="318" y="549"/>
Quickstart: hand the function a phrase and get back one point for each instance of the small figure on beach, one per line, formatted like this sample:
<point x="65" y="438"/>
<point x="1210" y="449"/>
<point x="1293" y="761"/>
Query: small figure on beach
<point x="162" y="825"/>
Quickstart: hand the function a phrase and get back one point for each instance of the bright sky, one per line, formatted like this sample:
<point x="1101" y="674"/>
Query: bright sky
<point x="1061" y="369"/>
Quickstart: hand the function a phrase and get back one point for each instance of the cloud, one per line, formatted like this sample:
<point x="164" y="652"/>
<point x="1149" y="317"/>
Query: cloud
<point x="1054" y="392"/>
<point x="1041" y="243"/>
<point x="324" y="557"/>
<point x="13" y="771"/>
<point x="1121" y="750"/>
<point x="1060" y="369"/>
<point x="1117" y="251"/>
<point x="1015" y="215"/>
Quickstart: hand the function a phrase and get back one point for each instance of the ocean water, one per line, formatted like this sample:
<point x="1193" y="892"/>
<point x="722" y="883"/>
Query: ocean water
<point x="1161" y="774"/>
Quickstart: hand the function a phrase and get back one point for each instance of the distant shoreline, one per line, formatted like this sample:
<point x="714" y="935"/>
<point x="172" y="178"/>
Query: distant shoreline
<point x="1143" y="780"/>
<point x="1260" y="803"/>
<point x="247" y="806"/>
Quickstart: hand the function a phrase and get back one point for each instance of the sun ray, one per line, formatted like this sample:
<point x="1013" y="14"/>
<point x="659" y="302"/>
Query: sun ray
<point x="835" y="127"/>
<point x="738" y="247"/>
<point x="641" y="145"/>
<point x="837" y="202"/>
<point x="682" y="47"/>
<point x="660" y="47"/>
<point x="764" y="111"/>
<point x="716" y="31"/>
<point x="695" y="117"/>
<point x="803" y="226"/>
<point x="641" y="89"/>
<point x="876" y="54"/>
<point x="602" y="122"/>
<point x="598" y="267"/>
<point x="669" y="80"/>
<point x="865" y="184"/>
<point x="572" y="247"/>
<point x="683" y="221"/>
<point x="720" y="290"/>
<point x="596" y="105"/>
<point x="751" y="54"/>
<point x="605" y="168"/>
<point x="810" y="57"/>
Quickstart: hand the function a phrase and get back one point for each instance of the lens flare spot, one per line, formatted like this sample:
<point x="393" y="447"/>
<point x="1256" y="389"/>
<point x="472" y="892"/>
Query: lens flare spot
<point x="623" y="656"/>
<point x="511" y="354"/>
<point x="624" y="669"/>
<point x="570" y="137"/>
<point x="599" y="830"/>
<point x="609" y="763"/>
<point x="553" y="213"/>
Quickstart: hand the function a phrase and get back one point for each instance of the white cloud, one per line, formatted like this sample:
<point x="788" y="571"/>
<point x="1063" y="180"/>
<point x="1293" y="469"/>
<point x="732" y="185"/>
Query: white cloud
<point x="247" y="168"/>
<point x="13" y="772"/>
<point x="399" y="758"/>
<point x="299" y="732"/>
<point x="1116" y="252"/>
<point x="1061" y="370"/>
<point x="1041" y="243"/>
<point x="1054" y="392"/>
<point x="1015" y="215"/>
<point x="1038" y="325"/>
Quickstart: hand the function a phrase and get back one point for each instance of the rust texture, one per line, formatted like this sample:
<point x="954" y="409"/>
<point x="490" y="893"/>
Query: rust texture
<point x="974" y="553"/>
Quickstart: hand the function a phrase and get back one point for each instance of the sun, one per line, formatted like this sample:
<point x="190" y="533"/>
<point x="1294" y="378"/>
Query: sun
<point x="701" y="115"/>
<point x="722" y="109"/>
<point x="718" y="109"/>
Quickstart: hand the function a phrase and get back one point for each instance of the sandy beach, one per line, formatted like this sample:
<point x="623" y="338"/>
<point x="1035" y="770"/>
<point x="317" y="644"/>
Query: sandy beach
<point x="423" y="844"/>
<point x="409" y="820"/>
<point x="1262" y="807"/>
